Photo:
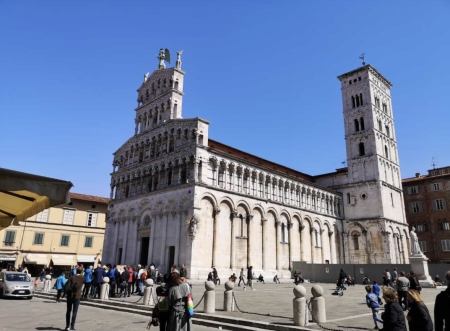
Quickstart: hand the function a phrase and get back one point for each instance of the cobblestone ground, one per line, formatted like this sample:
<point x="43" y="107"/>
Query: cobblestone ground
<point x="348" y="312"/>
<point x="44" y="314"/>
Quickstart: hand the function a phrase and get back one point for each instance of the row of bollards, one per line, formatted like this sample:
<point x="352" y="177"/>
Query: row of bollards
<point x="300" y="305"/>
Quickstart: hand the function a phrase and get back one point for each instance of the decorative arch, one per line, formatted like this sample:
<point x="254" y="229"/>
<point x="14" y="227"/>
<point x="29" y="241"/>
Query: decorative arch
<point x="260" y="209"/>
<point x="209" y="197"/>
<point x="272" y="211"/>
<point x="228" y="201"/>
<point x="244" y="205"/>
<point x="308" y="220"/>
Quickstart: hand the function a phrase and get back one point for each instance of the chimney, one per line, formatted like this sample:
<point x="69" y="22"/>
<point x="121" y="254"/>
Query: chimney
<point x="417" y="174"/>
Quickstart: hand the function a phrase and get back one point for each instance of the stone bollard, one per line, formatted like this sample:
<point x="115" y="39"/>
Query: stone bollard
<point x="148" y="290"/>
<point x="228" y="296"/>
<point x="299" y="305"/>
<point x="47" y="283"/>
<point x="209" y="306"/>
<point x="318" y="304"/>
<point x="104" y="289"/>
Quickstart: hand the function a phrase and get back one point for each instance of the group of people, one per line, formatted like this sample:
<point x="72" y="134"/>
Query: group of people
<point x="406" y="297"/>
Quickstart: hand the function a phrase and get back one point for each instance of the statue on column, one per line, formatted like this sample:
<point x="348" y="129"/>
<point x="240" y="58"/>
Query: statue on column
<point x="164" y="55"/>
<point x="415" y="248"/>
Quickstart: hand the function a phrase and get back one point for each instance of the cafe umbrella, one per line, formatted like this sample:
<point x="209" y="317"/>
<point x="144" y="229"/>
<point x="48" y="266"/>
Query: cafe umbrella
<point x="23" y="195"/>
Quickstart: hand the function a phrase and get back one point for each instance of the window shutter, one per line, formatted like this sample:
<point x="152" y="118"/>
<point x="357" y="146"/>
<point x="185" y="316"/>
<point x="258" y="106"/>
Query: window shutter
<point x="42" y="216"/>
<point x="68" y="216"/>
<point x="94" y="220"/>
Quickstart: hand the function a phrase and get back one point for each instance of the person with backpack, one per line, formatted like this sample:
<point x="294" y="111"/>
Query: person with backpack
<point x="177" y="300"/>
<point x="125" y="275"/>
<point x="373" y="303"/>
<point x="442" y="308"/>
<point x="60" y="282"/>
<point x="73" y="289"/>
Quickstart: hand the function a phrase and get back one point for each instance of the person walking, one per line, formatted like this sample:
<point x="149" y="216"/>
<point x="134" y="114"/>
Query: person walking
<point x="419" y="318"/>
<point x="97" y="279"/>
<point x="87" y="281"/>
<point x="140" y="281"/>
<point x="389" y="278"/>
<point x="179" y="320"/>
<point x="372" y="303"/>
<point x="250" y="278"/>
<point x="60" y="282"/>
<point x="342" y="277"/>
<point x="414" y="282"/>
<point x="124" y="276"/>
<point x="130" y="280"/>
<point x="442" y="308"/>
<point x="402" y="290"/>
<point x="393" y="316"/>
<point x="215" y="275"/>
<point x="295" y="277"/>
<point x="183" y="271"/>
<point x="241" y="277"/>
<point x="73" y="299"/>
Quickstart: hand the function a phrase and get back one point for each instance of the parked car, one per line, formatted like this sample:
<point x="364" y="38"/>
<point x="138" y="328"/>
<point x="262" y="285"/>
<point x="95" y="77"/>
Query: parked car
<point x="16" y="284"/>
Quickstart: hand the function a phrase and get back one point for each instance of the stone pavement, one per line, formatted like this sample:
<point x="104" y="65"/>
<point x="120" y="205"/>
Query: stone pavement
<point x="348" y="312"/>
<point x="43" y="314"/>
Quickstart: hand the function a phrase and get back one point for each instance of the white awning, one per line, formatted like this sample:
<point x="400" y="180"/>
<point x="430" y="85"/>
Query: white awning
<point x="86" y="258"/>
<point x="7" y="258"/>
<point x="63" y="260"/>
<point x="35" y="259"/>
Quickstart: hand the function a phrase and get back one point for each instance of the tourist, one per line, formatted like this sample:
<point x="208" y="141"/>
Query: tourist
<point x="124" y="276"/>
<point x="442" y="308"/>
<point x="295" y="277"/>
<point x="112" y="281"/>
<point x="419" y="318"/>
<point x="414" y="282"/>
<point x="175" y="269"/>
<point x="130" y="281"/>
<point x="140" y="280"/>
<point x="97" y="279"/>
<point x="261" y="279"/>
<point x="152" y="274"/>
<point x="232" y="278"/>
<point x="372" y="303"/>
<point x="394" y="276"/>
<point x="393" y="316"/>
<point x="376" y="291"/>
<point x="215" y="275"/>
<point x="250" y="278"/>
<point x="276" y="280"/>
<point x="300" y="277"/>
<point x="25" y="270"/>
<point x="342" y="277"/>
<point x="73" y="299"/>
<point x="389" y="278"/>
<point x="437" y="281"/>
<point x="402" y="290"/>
<point x="183" y="271"/>
<point x="210" y="277"/>
<point x="350" y="281"/>
<point x="60" y="282"/>
<point x="179" y="320"/>
<point x="241" y="277"/>
<point x="87" y="281"/>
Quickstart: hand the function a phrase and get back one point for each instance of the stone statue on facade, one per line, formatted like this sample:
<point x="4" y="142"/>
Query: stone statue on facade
<point x="164" y="55"/>
<point x="415" y="248"/>
<point x="193" y="227"/>
<point x="178" y="63"/>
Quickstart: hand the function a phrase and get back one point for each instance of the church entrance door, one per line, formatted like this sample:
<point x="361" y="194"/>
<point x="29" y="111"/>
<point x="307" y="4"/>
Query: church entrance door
<point x="145" y="242"/>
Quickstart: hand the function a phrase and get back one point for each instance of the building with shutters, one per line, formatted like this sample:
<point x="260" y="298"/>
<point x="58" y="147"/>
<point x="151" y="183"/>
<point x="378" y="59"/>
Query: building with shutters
<point x="426" y="199"/>
<point x="58" y="237"/>
<point x="179" y="197"/>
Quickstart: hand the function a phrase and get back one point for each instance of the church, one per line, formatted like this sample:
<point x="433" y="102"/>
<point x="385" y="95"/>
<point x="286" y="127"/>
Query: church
<point x="179" y="197"/>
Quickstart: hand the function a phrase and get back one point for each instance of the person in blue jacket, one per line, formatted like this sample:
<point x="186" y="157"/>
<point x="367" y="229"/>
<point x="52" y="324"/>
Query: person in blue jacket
<point x="87" y="281"/>
<point x="60" y="282"/>
<point x="372" y="303"/>
<point x="97" y="279"/>
<point x="112" y="280"/>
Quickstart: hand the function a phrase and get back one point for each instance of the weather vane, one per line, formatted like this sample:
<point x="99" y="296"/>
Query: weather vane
<point x="362" y="58"/>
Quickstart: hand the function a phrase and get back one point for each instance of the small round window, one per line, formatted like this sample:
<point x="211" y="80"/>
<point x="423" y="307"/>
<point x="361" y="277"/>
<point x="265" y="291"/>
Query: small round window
<point x="363" y="196"/>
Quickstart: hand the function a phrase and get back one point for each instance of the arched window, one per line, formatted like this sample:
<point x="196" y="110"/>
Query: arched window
<point x="387" y="131"/>
<point x="362" y="150"/>
<point x="353" y="102"/>
<point x="348" y="197"/>
<point x="283" y="235"/>
<point x="380" y="126"/>
<point x="361" y="121"/>
<point x="242" y="225"/>
<point x="356" y="242"/>
<point x="357" y="101"/>
<point x="356" y="125"/>
<point x="176" y="85"/>
<point x="386" y="154"/>
<point x="361" y="99"/>
<point x="316" y="237"/>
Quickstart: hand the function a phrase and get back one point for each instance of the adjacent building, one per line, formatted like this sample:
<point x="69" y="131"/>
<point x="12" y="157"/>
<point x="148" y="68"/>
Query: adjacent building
<point x="178" y="196"/>
<point x="58" y="237"/>
<point x="426" y="199"/>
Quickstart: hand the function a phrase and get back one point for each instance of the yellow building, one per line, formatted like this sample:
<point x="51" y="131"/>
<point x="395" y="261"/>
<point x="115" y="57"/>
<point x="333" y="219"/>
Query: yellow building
<point x="58" y="237"/>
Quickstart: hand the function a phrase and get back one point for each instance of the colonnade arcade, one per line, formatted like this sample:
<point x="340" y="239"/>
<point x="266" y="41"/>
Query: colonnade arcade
<point x="242" y="179"/>
<point x="263" y="238"/>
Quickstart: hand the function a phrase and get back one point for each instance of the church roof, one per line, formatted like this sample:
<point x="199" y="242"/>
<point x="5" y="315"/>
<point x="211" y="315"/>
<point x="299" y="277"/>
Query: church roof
<point x="85" y="197"/>
<point x="363" y="68"/>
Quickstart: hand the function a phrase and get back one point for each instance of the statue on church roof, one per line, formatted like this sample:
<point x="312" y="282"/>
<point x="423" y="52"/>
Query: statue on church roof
<point x="178" y="64"/>
<point x="164" y="55"/>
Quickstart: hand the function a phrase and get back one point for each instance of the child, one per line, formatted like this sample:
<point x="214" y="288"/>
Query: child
<point x="36" y="283"/>
<point x="372" y="303"/>
<point x="60" y="282"/>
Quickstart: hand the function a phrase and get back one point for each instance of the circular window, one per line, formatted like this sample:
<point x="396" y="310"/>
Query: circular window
<point x="363" y="196"/>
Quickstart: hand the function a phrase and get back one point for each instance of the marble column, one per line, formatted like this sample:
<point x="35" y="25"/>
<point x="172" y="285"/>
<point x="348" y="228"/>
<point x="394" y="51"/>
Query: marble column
<point x="403" y="249"/>
<point x="125" y="242"/>
<point x="277" y="242"/>
<point x="195" y="171"/>
<point x="115" y="249"/>
<point x="178" y="239"/>
<point x="332" y="247"/>
<point x="233" y="215"/>
<point x="291" y="252"/>
<point x="264" y="244"/>
<point x="302" y="242"/>
<point x="249" y="238"/>
<point x="137" y="257"/>
<point x="311" y="231"/>
<point x="179" y="174"/>
<point x="151" y="244"/>
<point x="215" y="235"/>
<point x="322" y="243"/>
<point x="162" y="258"/>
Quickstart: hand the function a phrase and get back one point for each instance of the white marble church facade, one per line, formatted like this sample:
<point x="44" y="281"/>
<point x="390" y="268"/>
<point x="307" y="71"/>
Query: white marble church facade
<point x="179" y="197"/>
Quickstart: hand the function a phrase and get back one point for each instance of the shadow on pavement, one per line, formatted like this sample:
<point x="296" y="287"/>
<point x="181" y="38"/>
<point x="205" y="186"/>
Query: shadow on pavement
<point x="48" y="328"/>
<point x="353" y="328"/>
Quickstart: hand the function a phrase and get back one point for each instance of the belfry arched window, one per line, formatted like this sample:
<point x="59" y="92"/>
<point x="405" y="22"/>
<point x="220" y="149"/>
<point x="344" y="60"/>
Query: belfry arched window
<point x="386" y="154"/>
<point x="357" y="101"/>
<point x="355" y="238"/>
<point x="348" y="197"/>
<point x="356" y="125"/>
<point x="360" y="99"/>
<point x="361" y="121"/>
<point x="362" y="150"/>
<point x="283" y="234"/>
<point x="353" y="102"/>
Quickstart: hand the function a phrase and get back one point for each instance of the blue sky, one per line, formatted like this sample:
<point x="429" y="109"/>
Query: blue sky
<point x="262" y="72"/>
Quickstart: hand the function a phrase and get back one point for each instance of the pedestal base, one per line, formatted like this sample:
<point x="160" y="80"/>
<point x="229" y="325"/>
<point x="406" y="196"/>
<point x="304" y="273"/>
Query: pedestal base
<point x="419" y="264"/>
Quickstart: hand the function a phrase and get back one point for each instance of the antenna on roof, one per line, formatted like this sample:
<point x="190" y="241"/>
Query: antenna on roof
<point x="362" y="58"/>
<point x="434" y="163"/>
<point x="344" y="163"/>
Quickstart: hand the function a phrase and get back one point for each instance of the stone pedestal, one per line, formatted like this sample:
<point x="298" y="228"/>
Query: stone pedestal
<point x="318" y="304"/>
<point x="209" y="300"/>
<point x="148" y="290"/>
<point x="419" y="264"/>
<point x="228" y="296"/>
<point x="299" y="306"/>
<point x="104" y="289"/>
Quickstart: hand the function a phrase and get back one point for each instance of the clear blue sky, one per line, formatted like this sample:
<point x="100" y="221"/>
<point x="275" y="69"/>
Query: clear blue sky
<point x="262" y="72"/>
